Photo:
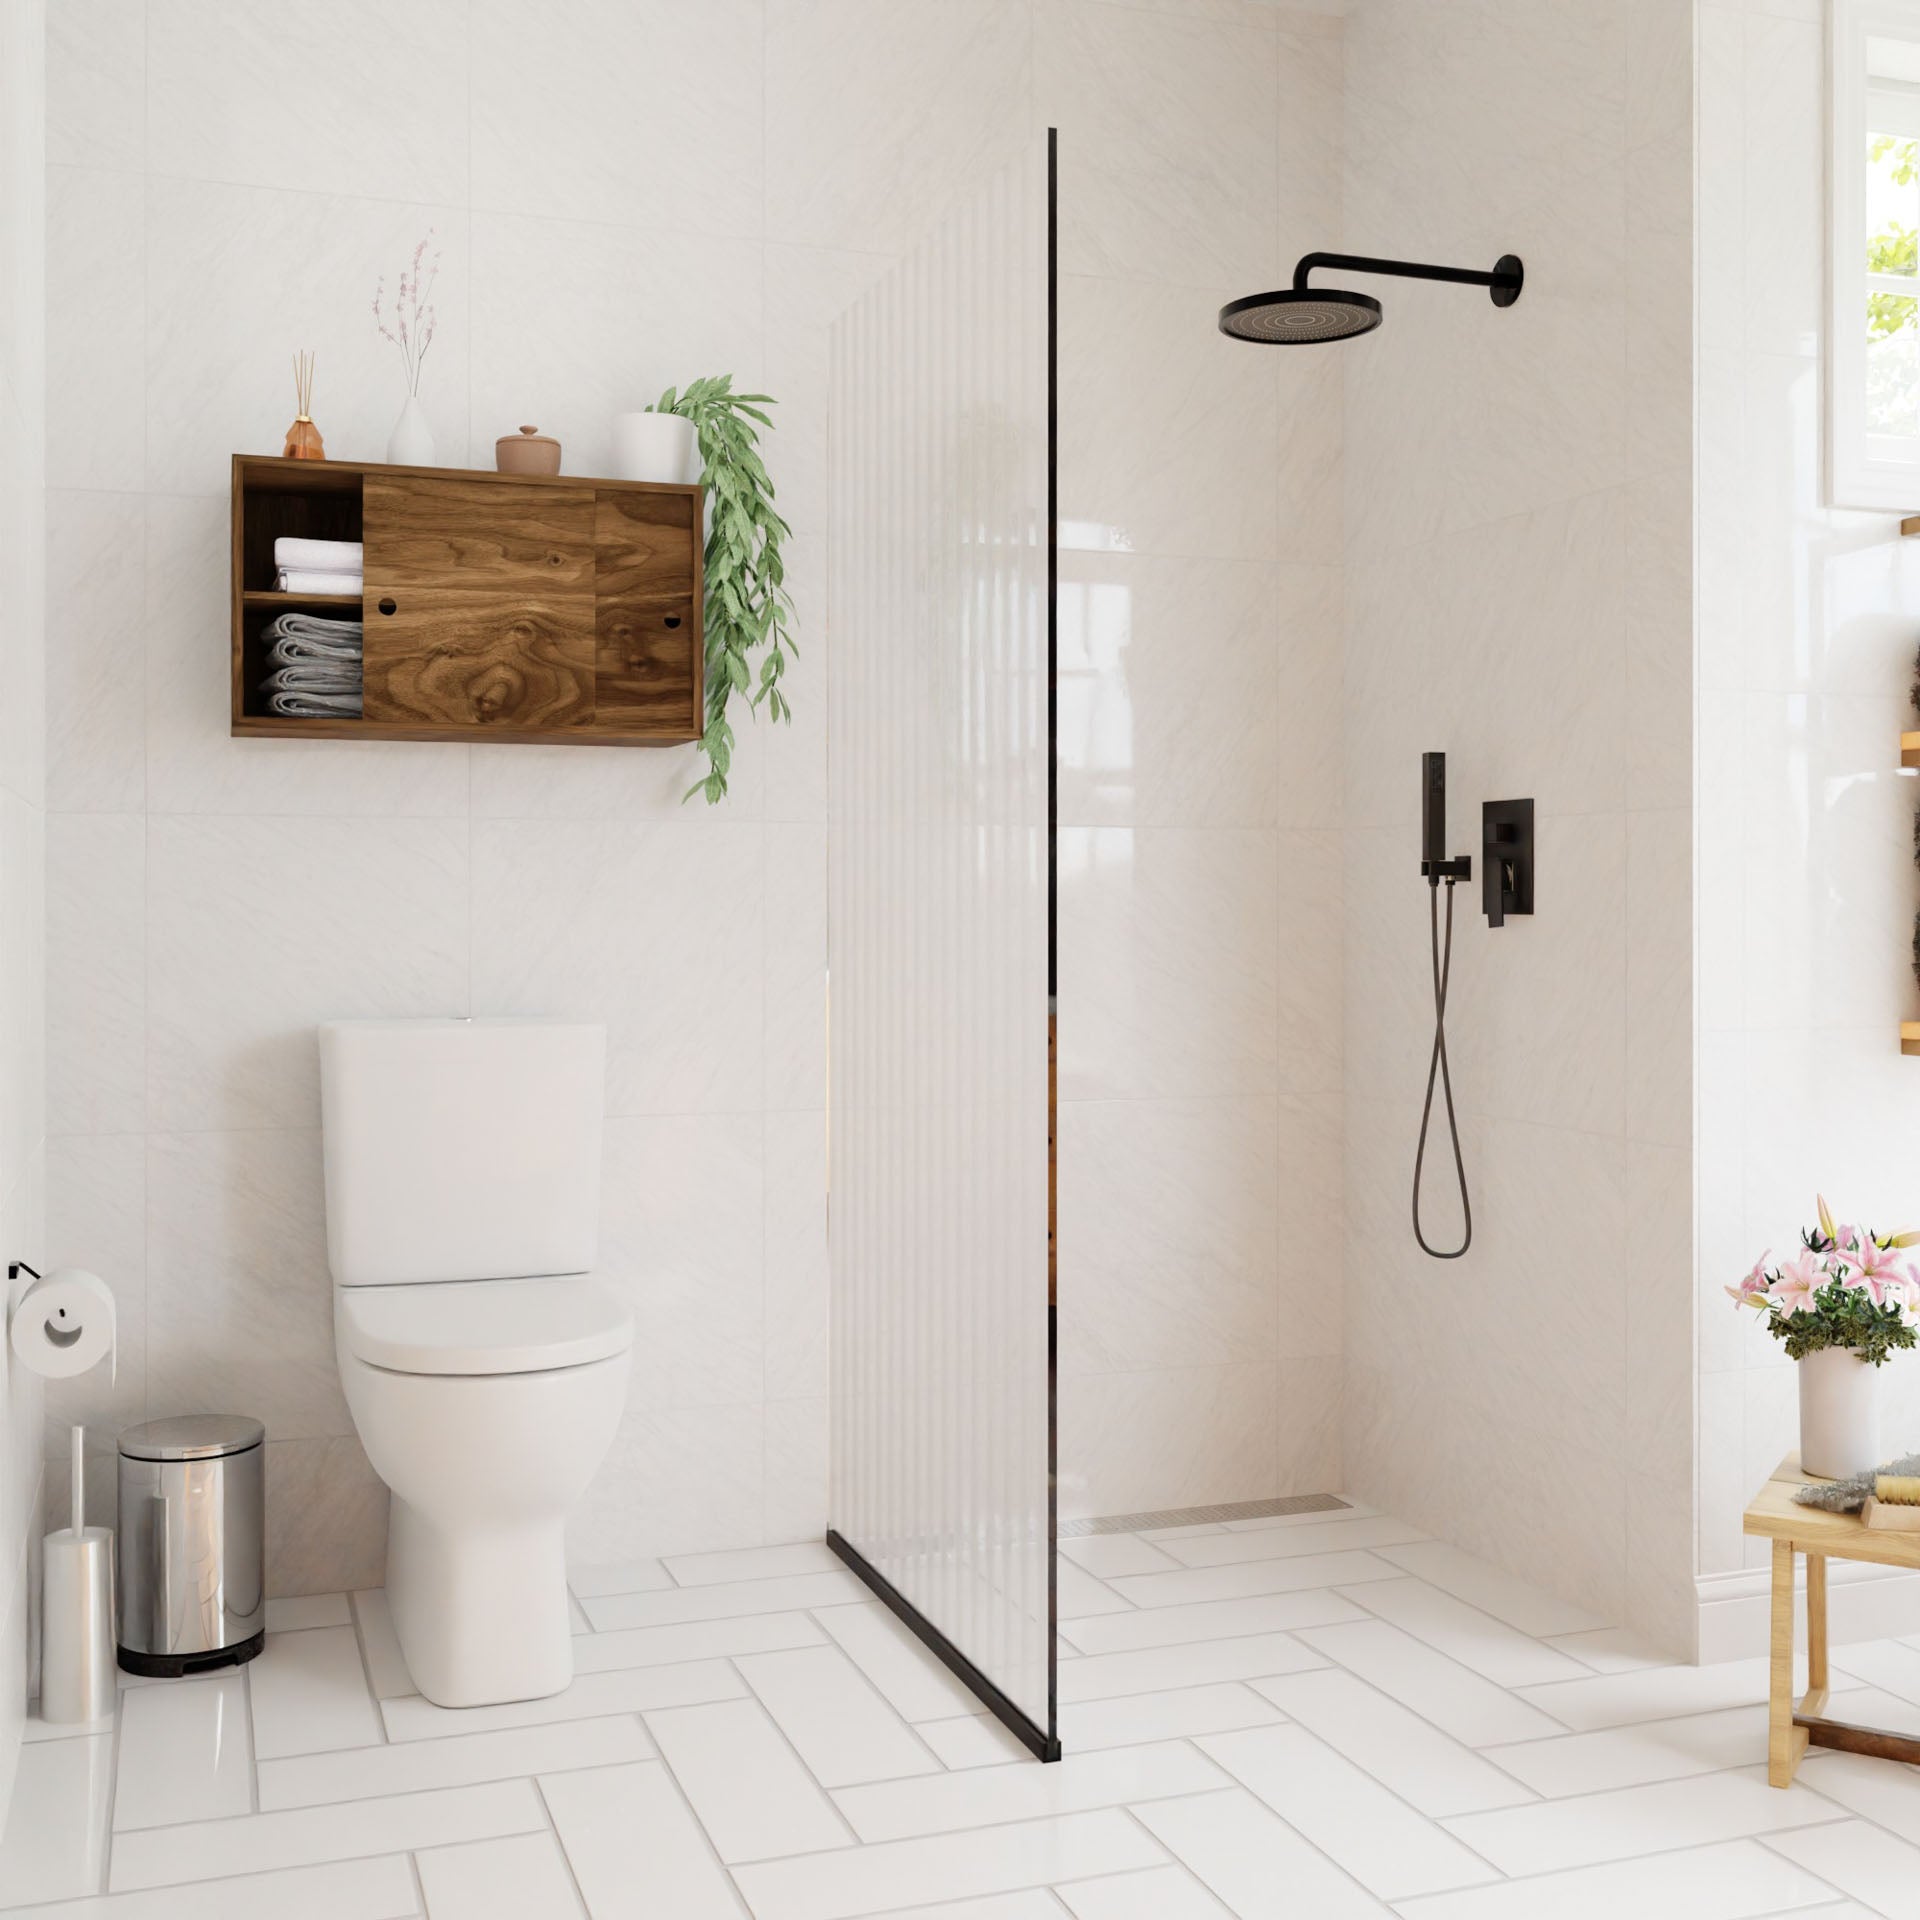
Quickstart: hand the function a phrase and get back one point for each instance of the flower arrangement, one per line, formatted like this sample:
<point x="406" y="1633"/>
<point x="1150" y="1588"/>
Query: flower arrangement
<point x="411" y="326"/>
<point x="1845" y="1288"/>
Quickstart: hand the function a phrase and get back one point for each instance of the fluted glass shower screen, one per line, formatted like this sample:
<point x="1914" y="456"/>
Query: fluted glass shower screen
<point x="939" y="605"/>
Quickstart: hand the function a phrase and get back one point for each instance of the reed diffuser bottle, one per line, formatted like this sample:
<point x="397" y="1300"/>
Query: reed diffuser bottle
<point x="303" y="437"/>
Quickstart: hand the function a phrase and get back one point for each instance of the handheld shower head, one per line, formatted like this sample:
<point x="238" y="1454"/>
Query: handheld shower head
<point x="1301" y="315"/>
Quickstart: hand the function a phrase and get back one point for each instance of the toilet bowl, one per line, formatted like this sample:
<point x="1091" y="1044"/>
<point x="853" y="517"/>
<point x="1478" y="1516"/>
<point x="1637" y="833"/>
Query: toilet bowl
<point x="486" y="1407"/>
<point x="484" y="1366"/>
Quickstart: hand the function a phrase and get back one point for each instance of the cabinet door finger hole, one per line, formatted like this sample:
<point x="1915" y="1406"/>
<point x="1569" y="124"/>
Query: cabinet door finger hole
<point x="388" y="605"/>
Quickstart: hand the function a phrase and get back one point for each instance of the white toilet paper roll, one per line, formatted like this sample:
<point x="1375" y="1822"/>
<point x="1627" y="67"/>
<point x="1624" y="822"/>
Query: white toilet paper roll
<point x="64" y="1324"/>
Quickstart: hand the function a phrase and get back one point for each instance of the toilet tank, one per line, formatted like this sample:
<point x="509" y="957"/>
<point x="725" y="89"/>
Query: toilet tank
<point x="460" y="1149"/>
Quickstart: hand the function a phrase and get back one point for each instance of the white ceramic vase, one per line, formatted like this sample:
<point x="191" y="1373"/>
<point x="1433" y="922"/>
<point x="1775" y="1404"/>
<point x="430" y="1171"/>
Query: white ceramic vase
<point x="1839" y="1414"/>
<point x="661" y="447"/>
<point x="411" y="442"/>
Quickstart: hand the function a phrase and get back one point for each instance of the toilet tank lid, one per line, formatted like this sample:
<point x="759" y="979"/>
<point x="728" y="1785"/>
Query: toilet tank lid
<point x="192" y="1436"/>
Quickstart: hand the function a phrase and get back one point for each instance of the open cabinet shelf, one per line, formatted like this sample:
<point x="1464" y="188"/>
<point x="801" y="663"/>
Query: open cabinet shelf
<point x="506" y="607"/>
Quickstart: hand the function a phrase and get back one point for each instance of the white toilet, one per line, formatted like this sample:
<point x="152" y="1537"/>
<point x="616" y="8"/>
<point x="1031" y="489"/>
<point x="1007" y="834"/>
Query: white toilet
<point x="484" y="1366"/>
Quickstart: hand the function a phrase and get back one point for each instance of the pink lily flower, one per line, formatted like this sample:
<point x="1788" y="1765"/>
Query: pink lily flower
<point x="1800" y="1279"/>
<point x="1751" y="1292"/>
<point x="1875" y="1272"/>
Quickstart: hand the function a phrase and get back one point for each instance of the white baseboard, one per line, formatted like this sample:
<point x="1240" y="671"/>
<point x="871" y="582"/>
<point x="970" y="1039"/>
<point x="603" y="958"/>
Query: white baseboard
<point x="1863" y="1603"/>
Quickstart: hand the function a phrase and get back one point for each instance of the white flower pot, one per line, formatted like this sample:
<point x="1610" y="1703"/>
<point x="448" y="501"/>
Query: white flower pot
<point x="660" y="447"/>
<point x="1839" y="1414"/>
<point x="411" y="443"/>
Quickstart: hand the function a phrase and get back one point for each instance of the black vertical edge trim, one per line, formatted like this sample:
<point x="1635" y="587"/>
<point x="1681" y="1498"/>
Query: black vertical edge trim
<point x="1040" y="1741"/>
<point x="1052" y="1750"/>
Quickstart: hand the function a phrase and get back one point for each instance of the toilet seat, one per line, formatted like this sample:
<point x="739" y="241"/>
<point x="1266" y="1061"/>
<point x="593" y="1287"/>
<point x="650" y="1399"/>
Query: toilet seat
<point x="484" y="1326"/>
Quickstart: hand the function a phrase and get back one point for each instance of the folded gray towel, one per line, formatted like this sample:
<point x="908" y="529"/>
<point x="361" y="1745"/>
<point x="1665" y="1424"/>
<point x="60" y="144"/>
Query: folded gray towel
<point x="313" y="676"/>
<point x="316" y="706"/>
<point x="309" y="636"/>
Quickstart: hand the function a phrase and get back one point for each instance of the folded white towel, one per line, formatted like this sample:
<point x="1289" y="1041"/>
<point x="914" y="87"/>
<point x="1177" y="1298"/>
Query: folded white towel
<point x="324" y="556"/>
<point x="307" y="580"/>
<point x="316" y="706"/>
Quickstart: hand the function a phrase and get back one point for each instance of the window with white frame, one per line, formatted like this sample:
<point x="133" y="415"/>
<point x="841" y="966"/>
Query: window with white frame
<point x="1874" y="213"/>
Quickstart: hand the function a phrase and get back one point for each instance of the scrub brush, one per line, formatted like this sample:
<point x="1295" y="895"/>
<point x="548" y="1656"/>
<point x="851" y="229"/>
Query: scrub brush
<point x="1895" y="1505"/>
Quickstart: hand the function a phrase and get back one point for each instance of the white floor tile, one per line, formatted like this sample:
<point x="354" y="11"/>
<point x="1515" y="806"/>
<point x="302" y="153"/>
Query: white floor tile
<point x="1109" y="1555"/>
<point x="460" y="1760"/>
<point x="973" y="1740"/>
<point x="753" y="1563"/>
<point x="310" y="1695"/>
<point x="1654" y="1693"/>
<point x="744" y="1782"/>
<point x="1420" y="1763"/>
<point x="183" y="1753"/>
<point x="1081" y="1595"/>
<point x="1210" y="1620"/>
<point x="1374" y="1836"/>
<point x="1490" y="1647"/>
<point x="1281" y="1543"/>
<point x="55" y="1844"/>
<point x="1736" y="1881"/>
<point x="952" y="1866"/>
<point x="618" y="1690"/>
<point x="1100" y="1676"/>
<point x="726" y="1600"/>
<point x="355" y="1829"/>
<point x="991" y="1796"/>
<point x="1492" y="1590"/>
<point x="308" y="1610"/>
<point x="698" y="1640"/>
<point x="1247" y="1855"/>
<point x="1132" y="1719"/>
<point x="1555" y="1834"/>
<point x="636" y="1576"/>
<point x="515" y="1878"/>
<point x="1254" y="1576"/>
<point x="35" y="1728"/>
<point x="352" y="1890"/>
<point x="386" y="1664"/>
<point x="1888" y="1794"/>
<point x="635" y="1848"/>
<point x="1457" y="1701"/>
<point x="838" y="1724"/>
<point x="1158" y="1893"/>
<point x="1891" y="1665"/>
<point x="1874" y="1866"/>
<point x="916" y="1684"/>
<point x="1638" y="1756"/>
<point x="1610" y="1650"/>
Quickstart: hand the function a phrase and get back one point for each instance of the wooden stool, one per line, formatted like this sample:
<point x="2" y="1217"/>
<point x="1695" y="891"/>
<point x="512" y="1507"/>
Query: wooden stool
<point x="1819" y="1535"/>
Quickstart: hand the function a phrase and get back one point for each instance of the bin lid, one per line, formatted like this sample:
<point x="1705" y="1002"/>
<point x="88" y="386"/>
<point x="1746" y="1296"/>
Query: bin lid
<point x="192" y="1436"/>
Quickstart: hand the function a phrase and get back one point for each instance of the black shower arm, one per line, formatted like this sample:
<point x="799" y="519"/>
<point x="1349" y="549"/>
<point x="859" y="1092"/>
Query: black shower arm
<point x="1404" y="269"/>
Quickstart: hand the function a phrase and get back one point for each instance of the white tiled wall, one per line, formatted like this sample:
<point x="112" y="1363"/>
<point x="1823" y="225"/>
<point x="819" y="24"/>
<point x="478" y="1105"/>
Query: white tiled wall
<point x="1200" y="1056"/>
<point x="22" y="815"/>
<point x="1806" y="827"/>
<point x="1518" y="594"/>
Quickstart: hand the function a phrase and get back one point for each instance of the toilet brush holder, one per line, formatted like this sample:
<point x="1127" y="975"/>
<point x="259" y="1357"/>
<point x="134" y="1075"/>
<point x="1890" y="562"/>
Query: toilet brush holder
<point x="77" y="1677"/>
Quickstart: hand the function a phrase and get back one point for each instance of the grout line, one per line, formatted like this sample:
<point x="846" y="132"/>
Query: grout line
<point x="560" y="1846"/>
<point x="366" y="1670"/>
<point x="419" y="1884"/>
<point x="113" y="1785"/>
<point x="253" y="1756"/>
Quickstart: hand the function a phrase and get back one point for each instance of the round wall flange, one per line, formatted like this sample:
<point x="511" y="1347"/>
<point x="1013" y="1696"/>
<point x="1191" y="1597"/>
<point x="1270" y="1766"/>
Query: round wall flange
<point x="1508" y="278"/>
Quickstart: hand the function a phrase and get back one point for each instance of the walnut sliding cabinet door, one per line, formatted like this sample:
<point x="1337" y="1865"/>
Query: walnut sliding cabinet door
<point x="939" y="881"/>
<point x="479" y="604"/>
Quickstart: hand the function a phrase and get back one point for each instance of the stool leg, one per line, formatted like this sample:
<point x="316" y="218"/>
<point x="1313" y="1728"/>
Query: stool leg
<point x="1781" y="1753"/>
<point x="1817" y="1622"/>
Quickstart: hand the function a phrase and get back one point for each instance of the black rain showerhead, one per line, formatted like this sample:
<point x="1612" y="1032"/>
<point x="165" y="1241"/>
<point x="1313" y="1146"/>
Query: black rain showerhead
<point x="1303" y="315"/>
<point x="1297" y="317"/>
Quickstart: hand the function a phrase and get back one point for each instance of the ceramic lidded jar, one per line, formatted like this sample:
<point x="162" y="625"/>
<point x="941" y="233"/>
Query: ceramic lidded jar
<point x="528" y="451"/>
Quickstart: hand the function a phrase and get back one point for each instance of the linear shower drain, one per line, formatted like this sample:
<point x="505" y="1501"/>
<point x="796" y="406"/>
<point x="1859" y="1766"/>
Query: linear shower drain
<point x="1205" y="1516"/>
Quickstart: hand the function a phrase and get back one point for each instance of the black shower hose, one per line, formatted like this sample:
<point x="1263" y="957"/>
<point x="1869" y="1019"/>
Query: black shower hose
<point x="1437" y="1066"/>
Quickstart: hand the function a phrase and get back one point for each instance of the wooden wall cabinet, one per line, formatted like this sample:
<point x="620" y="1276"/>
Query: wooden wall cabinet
<point x="496" y="606"/>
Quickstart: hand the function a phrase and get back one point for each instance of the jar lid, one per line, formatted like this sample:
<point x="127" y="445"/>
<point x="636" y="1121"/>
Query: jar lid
<point x="192" y="1436"/>
<point x="533" y="436"/>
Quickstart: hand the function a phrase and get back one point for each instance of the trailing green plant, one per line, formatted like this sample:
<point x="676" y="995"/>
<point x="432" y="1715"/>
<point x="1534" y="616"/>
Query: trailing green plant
<point x="747" y="604"/>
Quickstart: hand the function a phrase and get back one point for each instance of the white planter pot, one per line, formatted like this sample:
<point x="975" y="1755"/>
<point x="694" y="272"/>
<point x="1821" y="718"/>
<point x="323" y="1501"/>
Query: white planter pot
<point x="660" y="447"/>
<point x="411" y="442"/>
<point x="1839" y="1414"/>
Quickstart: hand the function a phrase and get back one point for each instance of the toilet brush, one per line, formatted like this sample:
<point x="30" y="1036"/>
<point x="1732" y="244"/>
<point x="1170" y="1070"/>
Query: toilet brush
<point x="77" y="1679"/>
